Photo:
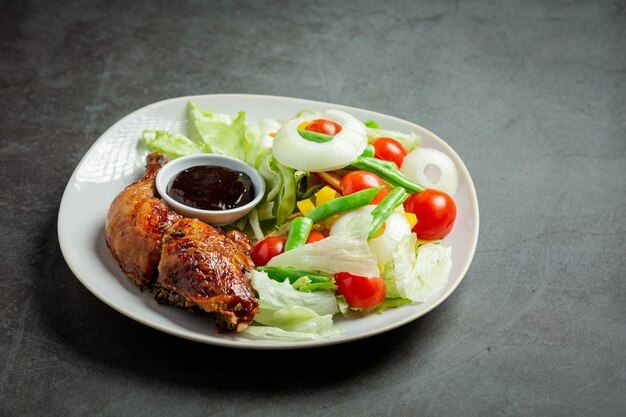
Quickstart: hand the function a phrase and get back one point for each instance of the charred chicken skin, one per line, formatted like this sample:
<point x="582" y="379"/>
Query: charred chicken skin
<point x="205" y="267"/>
<point x="136" y="223"/>
<point x="184" y="261"/>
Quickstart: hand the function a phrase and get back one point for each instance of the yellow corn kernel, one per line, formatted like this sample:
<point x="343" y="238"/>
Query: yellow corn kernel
<point x="325" y="195"/>
<point x="412" y="219"/>
<point x="305" y="206"/>
<point x="272" y="134"/>
<point x="381" y="268"/>
<point x="303" y="125"/>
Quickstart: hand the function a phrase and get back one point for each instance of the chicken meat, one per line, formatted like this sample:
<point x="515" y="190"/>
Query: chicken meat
<point x="205" y="267"/>
<point x="136" y="223"/>
<point x="185" y="262"/>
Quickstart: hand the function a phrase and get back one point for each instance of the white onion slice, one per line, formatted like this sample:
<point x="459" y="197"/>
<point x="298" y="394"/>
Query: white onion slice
<point x="416" y="166"/>
<point x="292" y="150"/>
<point x="383" y="246"/>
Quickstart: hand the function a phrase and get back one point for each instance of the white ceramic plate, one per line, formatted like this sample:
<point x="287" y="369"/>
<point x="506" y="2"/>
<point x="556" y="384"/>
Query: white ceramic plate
<point x="117" y="159"/>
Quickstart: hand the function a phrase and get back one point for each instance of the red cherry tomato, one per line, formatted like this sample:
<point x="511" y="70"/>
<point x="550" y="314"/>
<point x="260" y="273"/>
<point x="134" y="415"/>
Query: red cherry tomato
<point x="361" y="292"/>
<point x="360" y="180"/>
<point x="327" y="127"/>
<point x="314" y="236"/>
<point x="389" y="149"/>
<point x="266" y="249"/>
<point x="435" y="211"/>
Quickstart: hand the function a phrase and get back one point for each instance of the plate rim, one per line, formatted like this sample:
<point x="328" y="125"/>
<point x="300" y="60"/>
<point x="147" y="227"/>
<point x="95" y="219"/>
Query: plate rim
<point x="255" y="343"/>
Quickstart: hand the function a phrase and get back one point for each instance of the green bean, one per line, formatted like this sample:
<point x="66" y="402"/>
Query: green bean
<point x="298" y="232"/>
<point x="384" y="209"/>
<point x="280" y="274"/>
<point x="388" y="175"/>
<point x="372" y="124"/>
<point x="314" y="136"/>
<point x="341" y="204"/>
<point x="386" y="164"/>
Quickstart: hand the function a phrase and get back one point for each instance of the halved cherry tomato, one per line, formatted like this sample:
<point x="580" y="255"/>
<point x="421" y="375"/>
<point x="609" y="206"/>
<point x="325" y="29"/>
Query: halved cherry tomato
<point x="389" y="149"/>
<point x="315" y="236"/>
<point x="266" y="249"/>
<point x="327" y="127"/>
<point x="435" y="212"/>
<point x="360" y="180"/>
<point x="361" y="292"/>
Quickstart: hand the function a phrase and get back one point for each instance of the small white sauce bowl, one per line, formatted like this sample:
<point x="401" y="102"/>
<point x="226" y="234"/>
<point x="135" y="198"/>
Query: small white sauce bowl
<point x="213" y="217"/>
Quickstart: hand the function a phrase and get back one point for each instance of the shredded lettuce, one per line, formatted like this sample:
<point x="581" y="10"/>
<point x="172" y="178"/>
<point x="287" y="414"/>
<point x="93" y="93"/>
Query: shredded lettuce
<point x="346" y="251"/>
<point x="305" y="284"/>
<point x="280" y="197"/>
<point x="289" y="314"/>
<point x="258" y="142"/>
<point x="220" y="133"/>
<point x="321" y="326"/>
<point x="280" y="187"/>
<point x="274" y="295"/>
<point x="409" y="141"/>
<point x="305" y="188"/>
<point x="172" y="145"/>
<point x="388" y="303"/>
<point x="416" y="275"/>
<point x="389" y="277"/>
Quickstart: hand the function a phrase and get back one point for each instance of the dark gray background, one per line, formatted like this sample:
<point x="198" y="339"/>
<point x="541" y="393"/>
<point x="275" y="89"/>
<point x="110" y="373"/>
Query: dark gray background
<point x="530" y="94"/>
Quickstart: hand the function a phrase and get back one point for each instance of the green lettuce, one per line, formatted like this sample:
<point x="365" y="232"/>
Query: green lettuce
<point x="289" y="314"/>
<point x="274" y="295"/>
<point x="173" y="145"/>
<point x="305" y="284"/>
<point x="305" y="188"/>
<point x="387" y="304"/>
<point x="409" y="141"/>
<point x="417" y="272"/>
<point x="345" y="251"/>
<point x="219" y="133"/>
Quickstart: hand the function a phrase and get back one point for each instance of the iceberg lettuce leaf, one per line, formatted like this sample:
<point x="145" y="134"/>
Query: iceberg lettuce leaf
<point x="345" y="251"/>
<point x="274" y="295"/>
<point x="409" y="141"/>
<point x="219" y="133"/>
<point x="173" y="145"/>
<point x="419" y="274"/>
<point x="305" y="284"/>
<point x="288" y="314"/>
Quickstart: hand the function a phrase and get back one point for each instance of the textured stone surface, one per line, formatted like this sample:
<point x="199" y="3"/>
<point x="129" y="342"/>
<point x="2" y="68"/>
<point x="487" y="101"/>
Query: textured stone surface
<point x="531" y="95"/>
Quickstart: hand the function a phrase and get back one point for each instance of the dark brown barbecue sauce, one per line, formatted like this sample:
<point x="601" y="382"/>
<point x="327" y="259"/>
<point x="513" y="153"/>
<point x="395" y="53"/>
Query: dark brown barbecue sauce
<point x="208" y="187"/>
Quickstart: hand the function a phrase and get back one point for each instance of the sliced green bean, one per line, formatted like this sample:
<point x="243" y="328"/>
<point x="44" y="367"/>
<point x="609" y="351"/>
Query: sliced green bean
<point x="298" y="232"/>
<point x="372" y="124"/>
<point x="341" y="204"/>
<point x="388" y="175"/>
<point x="384" y="209"/>
<point x="315" y="136"/>
<point x="386" y="164"/>
<point x="280" y="274"/>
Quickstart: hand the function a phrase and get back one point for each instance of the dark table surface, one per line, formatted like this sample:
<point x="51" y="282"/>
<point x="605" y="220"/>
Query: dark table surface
<point x="531" y="95"/>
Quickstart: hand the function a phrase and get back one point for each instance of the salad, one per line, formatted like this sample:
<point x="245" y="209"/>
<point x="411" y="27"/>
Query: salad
<point x="351" y="222"/>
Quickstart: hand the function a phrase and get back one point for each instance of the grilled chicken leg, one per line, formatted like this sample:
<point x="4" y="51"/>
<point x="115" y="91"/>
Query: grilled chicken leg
<point x="206" y="267"/>
<point x="195" y="265"/>
<point x="136" y="223"/>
